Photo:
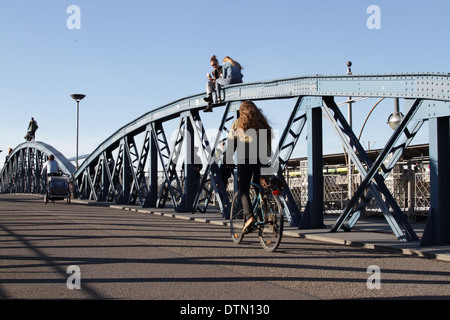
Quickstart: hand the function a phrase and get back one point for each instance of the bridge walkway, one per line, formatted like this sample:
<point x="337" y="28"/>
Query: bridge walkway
<point x="371" y="232"/>
<point x="129" y="253"/>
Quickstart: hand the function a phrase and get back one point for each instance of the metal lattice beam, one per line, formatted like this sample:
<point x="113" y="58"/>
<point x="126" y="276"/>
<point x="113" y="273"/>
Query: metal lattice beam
<point x="22" y="170"/>
<point x="115" y="171"/>
<point x="396" y="220"/>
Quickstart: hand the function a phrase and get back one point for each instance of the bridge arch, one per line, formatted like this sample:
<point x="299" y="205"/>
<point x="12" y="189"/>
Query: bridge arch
<point x="21" y="172"/>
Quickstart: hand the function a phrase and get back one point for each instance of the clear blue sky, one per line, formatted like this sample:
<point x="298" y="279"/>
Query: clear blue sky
<point x="131" y="56"/>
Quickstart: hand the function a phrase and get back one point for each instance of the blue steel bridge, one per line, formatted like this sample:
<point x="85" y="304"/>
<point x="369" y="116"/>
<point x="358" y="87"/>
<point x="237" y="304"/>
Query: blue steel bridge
<point x="124" y="168"/>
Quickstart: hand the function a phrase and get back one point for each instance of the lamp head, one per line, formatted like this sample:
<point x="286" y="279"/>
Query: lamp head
<point x="78" y="97"/>
<point x="395" y="119"/>
<point x="349" y="69"/>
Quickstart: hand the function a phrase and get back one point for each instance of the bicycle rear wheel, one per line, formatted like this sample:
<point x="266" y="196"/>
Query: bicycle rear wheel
<point x="237" y="219"/>
<point x="271" y="231"/>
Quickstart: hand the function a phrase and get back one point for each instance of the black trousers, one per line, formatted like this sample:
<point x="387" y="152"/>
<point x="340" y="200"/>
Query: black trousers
<point x="247" y="173"/>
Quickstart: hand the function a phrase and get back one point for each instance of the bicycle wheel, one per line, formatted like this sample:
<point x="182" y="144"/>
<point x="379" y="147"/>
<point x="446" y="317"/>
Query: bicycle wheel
<point x="271" y="231"/>
<point x="237" y="219"/>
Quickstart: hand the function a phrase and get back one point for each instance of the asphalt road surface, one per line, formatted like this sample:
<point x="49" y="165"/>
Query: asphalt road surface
<point x="76" y="251"/>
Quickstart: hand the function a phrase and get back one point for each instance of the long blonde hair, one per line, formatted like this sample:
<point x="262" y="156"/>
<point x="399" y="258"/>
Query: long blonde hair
<point x="250" y="116"/>
<point x="233" y="62"/>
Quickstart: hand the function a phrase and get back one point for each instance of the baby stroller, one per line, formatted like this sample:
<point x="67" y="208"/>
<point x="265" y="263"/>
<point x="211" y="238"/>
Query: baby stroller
<point x="57" y="189"/>
<point x="29" y="136"/>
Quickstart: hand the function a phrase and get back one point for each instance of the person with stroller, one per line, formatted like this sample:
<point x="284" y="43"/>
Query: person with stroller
<point x="50" y="167"/>
<point x="31" y="131"/>
<point x="57" y="186"/>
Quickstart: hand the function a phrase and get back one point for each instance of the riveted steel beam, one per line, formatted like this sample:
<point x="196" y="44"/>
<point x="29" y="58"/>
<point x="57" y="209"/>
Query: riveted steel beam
<point x="396" y="220"/>
<point x="425" y="86"/>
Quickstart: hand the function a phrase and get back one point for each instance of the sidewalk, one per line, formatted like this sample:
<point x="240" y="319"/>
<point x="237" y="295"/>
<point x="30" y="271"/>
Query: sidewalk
<point x="369" y="233"/>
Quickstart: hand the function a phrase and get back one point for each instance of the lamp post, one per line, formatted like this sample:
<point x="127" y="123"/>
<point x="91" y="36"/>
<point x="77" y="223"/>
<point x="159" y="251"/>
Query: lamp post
<point x="350" y="122"/>
<point x="77" y="98"/>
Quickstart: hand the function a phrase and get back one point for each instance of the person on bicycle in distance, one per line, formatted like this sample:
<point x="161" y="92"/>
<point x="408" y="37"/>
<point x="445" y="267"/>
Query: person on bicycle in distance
<point x="231" y="73"/>
<point x="251" y="136"/>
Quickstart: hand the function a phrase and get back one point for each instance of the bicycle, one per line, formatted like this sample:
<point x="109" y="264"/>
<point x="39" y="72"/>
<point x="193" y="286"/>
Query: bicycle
<point x="267" y="210"/>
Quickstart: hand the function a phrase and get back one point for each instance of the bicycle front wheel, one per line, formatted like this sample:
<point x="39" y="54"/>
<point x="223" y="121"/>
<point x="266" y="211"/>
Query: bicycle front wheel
<point x="237" y="219"/>
<point x="271" y="230"/>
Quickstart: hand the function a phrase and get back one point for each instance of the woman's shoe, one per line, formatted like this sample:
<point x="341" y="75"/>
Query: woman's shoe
<point x="208" y="98"/>
<point x="208" y="108"/>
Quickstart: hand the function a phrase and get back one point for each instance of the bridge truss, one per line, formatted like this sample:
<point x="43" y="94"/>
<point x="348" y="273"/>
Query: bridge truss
<point x="21" y="172"/>
<point x="124" y="168"/>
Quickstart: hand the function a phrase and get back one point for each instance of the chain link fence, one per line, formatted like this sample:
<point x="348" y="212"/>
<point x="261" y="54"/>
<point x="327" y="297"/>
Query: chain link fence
<point x="408" y="182"/>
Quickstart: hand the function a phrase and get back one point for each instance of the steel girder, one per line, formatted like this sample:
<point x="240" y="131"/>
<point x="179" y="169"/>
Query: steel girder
<point x="289" y="138"/>
<point x="212" y="183"/>
<point x="115" y="171"/>
<point x="119" y="178"/>
<point x="437" y="229"/>
<point x="408" y="86"/>
<point x="369" y="171"/>
<point x="386" y="170"/>
<point x="303" y="114"/>
<point x="21" y="172"/>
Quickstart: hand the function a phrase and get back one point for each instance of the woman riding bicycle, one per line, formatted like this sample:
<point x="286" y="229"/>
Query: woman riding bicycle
<point x="251" y="136"/>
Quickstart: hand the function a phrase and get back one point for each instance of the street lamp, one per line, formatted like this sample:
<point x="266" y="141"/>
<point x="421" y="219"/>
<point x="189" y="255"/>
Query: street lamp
<point x="350" y="123"/>
<point x="396" y="117"/>
<point x="77" y="98"/>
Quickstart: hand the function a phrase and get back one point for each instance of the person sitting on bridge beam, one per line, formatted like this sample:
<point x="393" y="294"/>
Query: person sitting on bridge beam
<point x="212" y="77"/>
<point x="231" y="74"/>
